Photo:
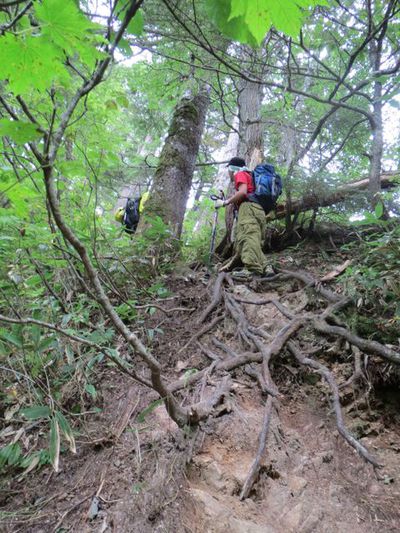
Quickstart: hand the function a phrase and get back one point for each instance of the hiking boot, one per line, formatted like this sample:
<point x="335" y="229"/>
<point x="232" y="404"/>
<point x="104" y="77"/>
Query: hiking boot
<point x="269" y="271"/>
<point x="243" y="275"/>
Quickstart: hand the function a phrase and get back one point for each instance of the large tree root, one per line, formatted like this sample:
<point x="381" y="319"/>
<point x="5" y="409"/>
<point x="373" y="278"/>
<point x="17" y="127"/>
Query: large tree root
<point x="322" y="369"/>
<point x="217" y="294"/>
<point x="262" y="445"/>
<point x="262" y="347"/>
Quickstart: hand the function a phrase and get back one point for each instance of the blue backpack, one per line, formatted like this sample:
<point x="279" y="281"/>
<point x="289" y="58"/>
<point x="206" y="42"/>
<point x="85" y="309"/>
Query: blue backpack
<point x="268" y="186"/>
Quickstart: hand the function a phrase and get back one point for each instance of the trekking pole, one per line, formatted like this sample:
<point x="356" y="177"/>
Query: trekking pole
<point x="214" y="197"/>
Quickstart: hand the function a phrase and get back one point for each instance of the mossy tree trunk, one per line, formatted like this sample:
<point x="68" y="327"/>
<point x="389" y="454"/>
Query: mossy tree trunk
<point x="174" y="173"/>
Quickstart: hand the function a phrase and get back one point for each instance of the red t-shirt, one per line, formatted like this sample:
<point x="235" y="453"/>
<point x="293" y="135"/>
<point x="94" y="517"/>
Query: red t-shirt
<point x="244" y="177"/>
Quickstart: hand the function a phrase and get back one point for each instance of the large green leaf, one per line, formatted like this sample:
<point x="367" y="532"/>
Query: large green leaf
<point x="10" y="454"/>
<point x="64" y="25"/>
<point x="54" y="444"/>
<point x="30" y="62"/>
<point x="136" y="24"/>
<point x="66" y="429"/>
<point x="236" y="28"/>
<point x="18" y="131"/>
<point x="255" y="17"/>
<point x="36" y="411"/>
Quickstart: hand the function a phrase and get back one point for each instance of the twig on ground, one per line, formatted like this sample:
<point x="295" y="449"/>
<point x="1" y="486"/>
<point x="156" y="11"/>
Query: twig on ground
<point x="133" y="398"/>
<point x="309" y="281"/>
<point x="163" y="310"/>
<point x="282" y="308"/>
<point x="77" y="504"/>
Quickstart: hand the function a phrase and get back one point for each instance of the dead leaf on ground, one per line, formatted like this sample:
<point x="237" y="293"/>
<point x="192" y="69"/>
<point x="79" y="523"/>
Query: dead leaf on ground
<point x="336" y="271"/>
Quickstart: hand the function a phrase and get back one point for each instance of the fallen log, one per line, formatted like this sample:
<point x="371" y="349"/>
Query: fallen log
<point x="314" y="201"/>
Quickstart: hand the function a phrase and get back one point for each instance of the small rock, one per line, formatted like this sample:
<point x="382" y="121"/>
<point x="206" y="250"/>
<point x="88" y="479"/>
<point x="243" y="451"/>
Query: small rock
<point x="292" y="518"/>
<point x="212" y="507"/>
<point x="245" y="526"/>
<point x="296" y="485"/>
<point x="213" y="476"/>
<point x="94" y="508"/>
<point x="181" y="365"/>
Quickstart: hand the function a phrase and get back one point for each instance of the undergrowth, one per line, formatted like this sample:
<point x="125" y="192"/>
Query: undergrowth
<point x="49" y="380"/>
<point x="373" y="282"/>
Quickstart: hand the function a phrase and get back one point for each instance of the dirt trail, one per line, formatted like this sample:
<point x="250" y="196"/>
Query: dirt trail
<point x="310" y="479"/>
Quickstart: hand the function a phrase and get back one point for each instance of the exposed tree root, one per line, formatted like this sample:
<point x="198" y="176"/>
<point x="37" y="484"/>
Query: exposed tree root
<point x="367" y="346"/>
<point x="202" y="332"/>
<point x="358" y="374"/>
<point x="202" y="409"/>
<point x="262" y="444"/>
<point x="322" y="369"/>
<point x="262" y="347"/>
<point x="216" y="297"/>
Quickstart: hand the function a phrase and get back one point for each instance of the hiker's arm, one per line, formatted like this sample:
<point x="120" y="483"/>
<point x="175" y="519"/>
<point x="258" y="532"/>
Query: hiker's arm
<point x="238" y="196"/>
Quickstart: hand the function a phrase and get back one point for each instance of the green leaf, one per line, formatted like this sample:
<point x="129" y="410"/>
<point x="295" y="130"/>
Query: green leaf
<point x="10" y="454"/>
<point x="65" y="26"/>
<point x="379" y="210"/>
<point x="67" y="431"/>
<point x="28" y="62"/>
<point x="29" y="463"/>
<point x="125" y="48"/>
<point x="46" y="343"/>
<point x="219" y="12"/>
<point x="90" y="389"/>
<point x="36" y="411"/>
<point x="255" y="17"/>
<point x="136" y="24"/>
<point x="54" y="444"/>
<point x="111" y="104"/>
<point x="149" y="409"/>
<point x="20" y="132"/>
<point x="187" y="374"/>
<point x="16" y="340"/>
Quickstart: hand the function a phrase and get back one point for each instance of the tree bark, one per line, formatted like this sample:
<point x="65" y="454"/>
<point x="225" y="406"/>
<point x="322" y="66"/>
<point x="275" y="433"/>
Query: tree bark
<point x="376" y="127"/>
<point x="173" y="177"/>
<point x="251" y="145"/>
<point x="251" y="142"/>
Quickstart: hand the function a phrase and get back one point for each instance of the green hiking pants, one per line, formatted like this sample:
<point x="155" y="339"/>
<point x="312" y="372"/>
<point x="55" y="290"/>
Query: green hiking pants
<point x="249" y="237"/>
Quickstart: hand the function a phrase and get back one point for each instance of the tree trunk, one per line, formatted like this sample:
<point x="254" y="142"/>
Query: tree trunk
<point x="251" y="146"/>
<point x="173" y="176"/>
<point x="251" y="143"/>
<point x="221" y="182"/>
<point x="376" y="128"/>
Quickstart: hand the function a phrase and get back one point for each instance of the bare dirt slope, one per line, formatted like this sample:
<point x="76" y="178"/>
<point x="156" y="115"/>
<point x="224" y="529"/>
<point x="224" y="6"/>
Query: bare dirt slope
<point x="139" y="472"/>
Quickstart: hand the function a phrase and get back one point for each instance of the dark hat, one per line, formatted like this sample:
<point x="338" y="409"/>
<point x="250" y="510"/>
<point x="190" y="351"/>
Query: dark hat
<point x="237" y="162"/>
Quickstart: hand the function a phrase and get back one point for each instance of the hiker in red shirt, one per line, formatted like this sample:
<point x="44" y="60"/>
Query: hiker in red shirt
<point x="250" y="228"/>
